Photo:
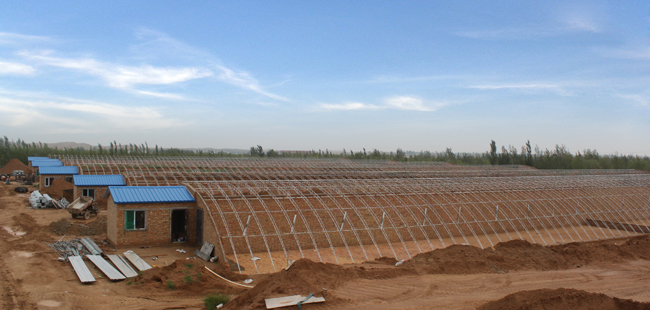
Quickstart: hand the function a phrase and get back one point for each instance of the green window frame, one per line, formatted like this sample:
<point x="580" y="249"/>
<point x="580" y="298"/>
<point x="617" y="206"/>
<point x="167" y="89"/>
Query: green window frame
<point x="135" y="220"/>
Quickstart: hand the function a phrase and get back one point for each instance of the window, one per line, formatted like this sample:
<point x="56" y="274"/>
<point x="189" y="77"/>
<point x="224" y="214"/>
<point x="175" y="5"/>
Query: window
<point x="68" y="179"/>
<point x="48" y="181"/>
<point x="88" y="193"/>
<point x="135" y="220"/>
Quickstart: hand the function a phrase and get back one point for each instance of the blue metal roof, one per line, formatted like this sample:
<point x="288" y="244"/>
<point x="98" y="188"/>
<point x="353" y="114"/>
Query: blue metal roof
<point x="150" y="194"/>
<point x="43" y="163"/>
<point x="99" y="180"/>
<point x="58" y="170"/>
<point x="33" y="158"/>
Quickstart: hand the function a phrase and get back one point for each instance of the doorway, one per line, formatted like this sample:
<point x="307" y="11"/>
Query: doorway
<point x="179" y="225"/>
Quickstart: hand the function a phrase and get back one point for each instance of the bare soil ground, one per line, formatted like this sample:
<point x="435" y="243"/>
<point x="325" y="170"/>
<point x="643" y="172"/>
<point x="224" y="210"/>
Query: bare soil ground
<point x="611" y="274"/>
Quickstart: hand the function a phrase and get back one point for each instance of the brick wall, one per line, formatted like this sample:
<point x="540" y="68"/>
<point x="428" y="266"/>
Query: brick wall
<point x="99" y="194"/>
<point x="158" y="218"/>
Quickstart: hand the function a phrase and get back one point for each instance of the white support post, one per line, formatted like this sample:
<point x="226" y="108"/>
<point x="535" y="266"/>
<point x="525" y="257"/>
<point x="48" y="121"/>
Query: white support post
<point x="246" y="226"/>
<point x="496" y="214"/>
<point x="553" y="212"/>
<point x="459" y="210"/>
<point x="343" y="221"/>
<point x="383" y="217"/>
<point x="424" y="219"/>
<point x="293" y="225"/>
<point x="527" y="211"/>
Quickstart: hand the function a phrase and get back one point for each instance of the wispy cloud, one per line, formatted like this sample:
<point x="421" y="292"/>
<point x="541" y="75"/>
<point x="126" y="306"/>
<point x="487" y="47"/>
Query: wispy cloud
<point x="119" y="76"/>
<point x="83" y="115"/>
<point x="625" y="53"/>
<point x="569" y="21"/>
<point x="348" y="106"/>
<point x="558" y="89"/>
<point x="14" y="68"/>
<point x="407" y="103"/>
<point x="405" y="79"/>
<point x="245" y="80"/>
<point x="515" y="86"/>
<point x="7" y="38"/>
<point x="506" y="33"/>
<point x="158" y="43"/>
<point x="638" y="100"/>
<point x="412" y="103"/>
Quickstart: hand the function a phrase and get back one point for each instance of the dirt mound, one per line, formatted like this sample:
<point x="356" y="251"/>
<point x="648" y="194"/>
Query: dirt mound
<point x="382" y="260"/>
<point x="187" y="277"/>
<point x="60" y="188"/>
<point x="561" y="299"/>
<point x="15" y="164"/>
<point x="306" y="277"/>
<point x="522" y="255"/>
<point x="73" y="228"/>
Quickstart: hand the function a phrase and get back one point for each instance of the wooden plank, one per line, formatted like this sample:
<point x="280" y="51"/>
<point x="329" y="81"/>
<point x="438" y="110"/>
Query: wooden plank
<point x="279" y="302"/>
<point x="81" y="269"/>
<point x="105" y="267"/>
<point x="123" y="266"/>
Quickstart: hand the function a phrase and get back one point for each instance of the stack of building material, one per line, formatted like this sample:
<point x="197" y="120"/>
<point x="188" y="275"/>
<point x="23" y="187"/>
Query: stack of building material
<point x="121" y="264"/>
<point x="105" y="267"/>
<point x="39" y="201"/>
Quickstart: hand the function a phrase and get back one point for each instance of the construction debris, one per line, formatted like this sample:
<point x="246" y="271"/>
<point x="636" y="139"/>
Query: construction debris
<point x="279" y="302"/>
<point x="206" y="252"/>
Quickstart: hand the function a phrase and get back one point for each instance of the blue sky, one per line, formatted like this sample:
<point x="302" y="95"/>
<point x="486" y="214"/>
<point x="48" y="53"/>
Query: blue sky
<point x="416" y="75"/>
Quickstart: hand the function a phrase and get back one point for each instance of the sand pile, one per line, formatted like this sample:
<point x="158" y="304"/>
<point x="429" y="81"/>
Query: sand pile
<point x="522" y="255"/>
<point x="187" y="276"/>
<point x="73" y="228"/>
<point x="15" y="164"/>
<point x="306" y="277"/>
<point x="561" y="299"/>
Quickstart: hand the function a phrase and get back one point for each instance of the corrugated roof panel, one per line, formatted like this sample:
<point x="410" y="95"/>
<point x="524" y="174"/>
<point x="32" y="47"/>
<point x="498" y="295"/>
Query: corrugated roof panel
<point x="105" y="267"/>
<point x="150" y="194"/>
<point x="33" y="158"/>
<point x="81" y="269"/>
<point x="99" y="180"/>
<point x="43" y="163"/>
<point x="58" y="170"/>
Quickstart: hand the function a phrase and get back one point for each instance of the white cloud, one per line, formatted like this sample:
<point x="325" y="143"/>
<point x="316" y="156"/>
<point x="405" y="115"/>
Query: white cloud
<point x="506" y="34"/>
<point x="15" y="68"/>
<point x="80" y="115"/>
<point x="348" y="106"/>
<point x="412" y="103"/>
<point x="7" y="38"/>
<point x="407" y="103"/>
<point x="626" y="53"/>
<point x="638" y="100"/>
<point x="245" y="80"/>
<point x="169" y="96"/>
<point x="123" y="77"/>
<point x="515" y="86"/>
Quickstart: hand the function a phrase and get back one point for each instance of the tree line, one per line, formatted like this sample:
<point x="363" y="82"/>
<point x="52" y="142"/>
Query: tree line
<point x="558" y="158"/>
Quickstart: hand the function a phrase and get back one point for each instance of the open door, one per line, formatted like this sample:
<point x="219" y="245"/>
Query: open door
<point x="179" y="225"/>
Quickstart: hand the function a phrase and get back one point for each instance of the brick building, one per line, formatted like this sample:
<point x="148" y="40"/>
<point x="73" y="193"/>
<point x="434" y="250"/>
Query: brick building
<point x="151" y="215"/>
<point x="56" y="181"/>
<point x="95" y="186"/>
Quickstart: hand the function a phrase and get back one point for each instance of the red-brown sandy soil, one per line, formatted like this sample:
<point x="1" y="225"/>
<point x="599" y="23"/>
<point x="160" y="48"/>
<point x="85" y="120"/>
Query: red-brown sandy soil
<point x="562" y="299"/>
<point x="457" y="277"/>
